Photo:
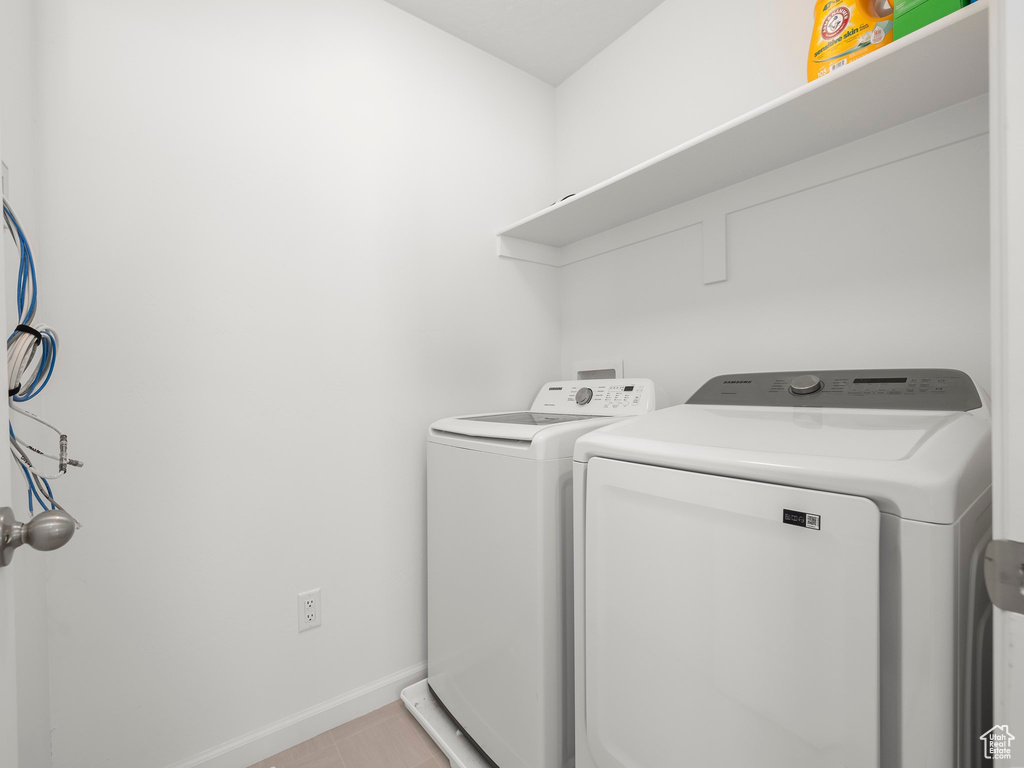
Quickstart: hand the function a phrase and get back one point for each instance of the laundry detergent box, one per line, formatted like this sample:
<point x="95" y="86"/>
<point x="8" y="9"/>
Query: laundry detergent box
<point x="846" y="30"/>
<point x="911" y="15"/>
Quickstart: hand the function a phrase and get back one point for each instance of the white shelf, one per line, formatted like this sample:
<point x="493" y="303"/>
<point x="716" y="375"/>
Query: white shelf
<point x="941" y="65"/>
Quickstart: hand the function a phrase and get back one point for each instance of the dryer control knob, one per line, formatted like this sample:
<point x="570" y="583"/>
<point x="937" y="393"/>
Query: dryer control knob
<point x="805" y="385"/>
<point x="584" y="395"/>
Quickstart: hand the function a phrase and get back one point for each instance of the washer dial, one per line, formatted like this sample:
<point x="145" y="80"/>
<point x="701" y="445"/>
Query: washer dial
<point x="805" y="385"/>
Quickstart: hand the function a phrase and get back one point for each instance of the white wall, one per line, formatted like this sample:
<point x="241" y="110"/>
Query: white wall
<point x="27" y="574"/>
<point x="271" y="230"/>
<point x="686" y="68"/>
<point x="884" y="293"/>
<point x="885" y="268"/>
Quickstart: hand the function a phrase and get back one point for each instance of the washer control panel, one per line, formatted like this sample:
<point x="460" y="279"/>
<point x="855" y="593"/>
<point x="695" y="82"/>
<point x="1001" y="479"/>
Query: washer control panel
<point x="598" y="397"/>
<point x="907" y="389"/>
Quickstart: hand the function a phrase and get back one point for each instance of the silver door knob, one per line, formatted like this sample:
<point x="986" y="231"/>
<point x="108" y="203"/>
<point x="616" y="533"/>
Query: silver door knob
<point x="46" y="532"/>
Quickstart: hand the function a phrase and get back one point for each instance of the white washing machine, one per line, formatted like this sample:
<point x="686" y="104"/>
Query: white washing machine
<point x="786" y="572"/>
<point x="499" y="547"/>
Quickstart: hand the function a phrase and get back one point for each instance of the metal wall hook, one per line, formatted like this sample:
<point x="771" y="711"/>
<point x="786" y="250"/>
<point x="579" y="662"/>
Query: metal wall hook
<point x="46" y="531"/>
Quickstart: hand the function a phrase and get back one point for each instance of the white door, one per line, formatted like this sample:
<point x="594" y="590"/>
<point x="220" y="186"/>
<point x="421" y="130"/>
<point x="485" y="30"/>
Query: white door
<point x="711" y="624"/>
<point x="8" y="686"/>
<point x="1006" y="32"/>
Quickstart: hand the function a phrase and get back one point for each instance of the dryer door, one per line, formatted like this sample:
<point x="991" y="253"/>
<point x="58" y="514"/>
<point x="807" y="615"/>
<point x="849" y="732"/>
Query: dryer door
<point x="728" y="622"/>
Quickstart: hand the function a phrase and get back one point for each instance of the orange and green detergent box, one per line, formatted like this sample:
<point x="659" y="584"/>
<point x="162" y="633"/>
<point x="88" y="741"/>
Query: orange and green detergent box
<point x="911" y="15"/>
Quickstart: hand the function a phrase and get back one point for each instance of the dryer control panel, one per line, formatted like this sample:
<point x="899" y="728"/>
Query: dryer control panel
<point x="905" y="389"/>
<point x="597" y="397"/>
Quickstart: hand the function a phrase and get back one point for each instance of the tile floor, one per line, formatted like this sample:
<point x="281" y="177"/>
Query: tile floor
<point x="388" y="738"/>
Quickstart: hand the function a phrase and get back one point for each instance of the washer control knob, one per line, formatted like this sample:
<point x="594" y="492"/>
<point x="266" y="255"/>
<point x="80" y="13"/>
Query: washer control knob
<point x="805" y="385"/>
<point x="584" y="395"/>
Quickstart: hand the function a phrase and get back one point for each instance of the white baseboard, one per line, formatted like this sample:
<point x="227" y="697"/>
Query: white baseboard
<point x="274" y="738"/>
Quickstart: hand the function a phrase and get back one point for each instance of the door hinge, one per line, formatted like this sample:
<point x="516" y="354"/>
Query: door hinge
<point x="1004" y="575"/>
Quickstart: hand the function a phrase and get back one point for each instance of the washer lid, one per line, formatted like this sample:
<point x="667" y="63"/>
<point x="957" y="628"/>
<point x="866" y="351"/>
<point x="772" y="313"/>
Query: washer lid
<point x="528" y="418"/>
<point x="560" y="404"/>
<point x="517" y="426"/>
<point x="550" y="436"/>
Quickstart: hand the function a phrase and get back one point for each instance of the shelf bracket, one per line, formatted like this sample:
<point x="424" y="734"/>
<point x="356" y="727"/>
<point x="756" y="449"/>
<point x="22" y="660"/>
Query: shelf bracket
<point x="524" y="250"/>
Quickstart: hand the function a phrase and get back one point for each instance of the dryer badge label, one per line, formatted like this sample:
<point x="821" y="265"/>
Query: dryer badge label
<point x="802" y="519"/>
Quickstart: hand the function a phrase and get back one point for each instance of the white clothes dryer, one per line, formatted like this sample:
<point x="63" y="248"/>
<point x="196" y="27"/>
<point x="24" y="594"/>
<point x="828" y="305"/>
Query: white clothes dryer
<point x="786" y="572"/>
<point x="499" y="547"/>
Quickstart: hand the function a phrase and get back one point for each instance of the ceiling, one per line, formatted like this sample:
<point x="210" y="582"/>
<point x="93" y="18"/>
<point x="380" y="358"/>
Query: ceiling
<point x="550" y="39"/>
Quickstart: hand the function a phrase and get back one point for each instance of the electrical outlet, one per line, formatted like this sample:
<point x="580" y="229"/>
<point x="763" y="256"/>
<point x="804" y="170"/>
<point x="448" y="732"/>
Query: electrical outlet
<point x="309" y="609"/>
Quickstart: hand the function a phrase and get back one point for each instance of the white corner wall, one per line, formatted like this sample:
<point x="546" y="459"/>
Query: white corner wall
<point x="685" y="68"/>
<point x="269" y="252"/>
<point x="888" y="267"/>
<point x="26" y="576"/>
